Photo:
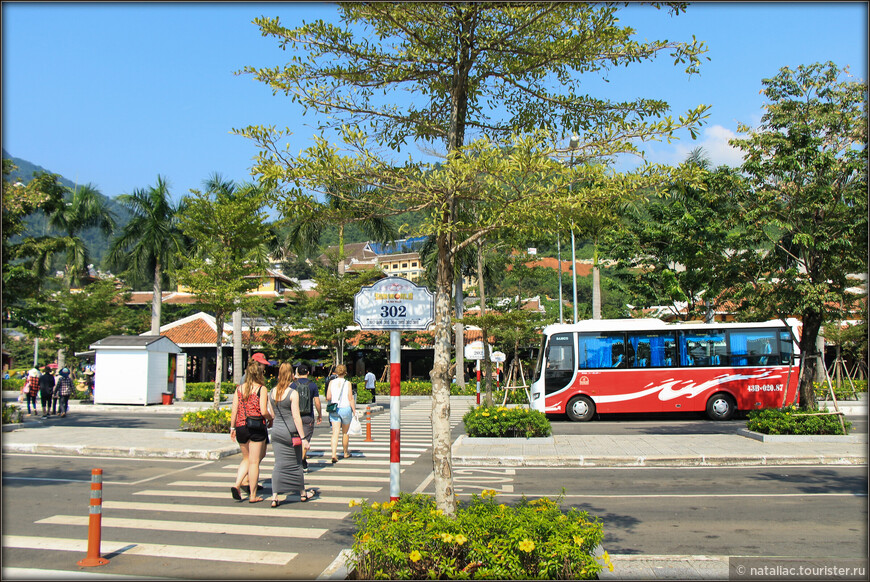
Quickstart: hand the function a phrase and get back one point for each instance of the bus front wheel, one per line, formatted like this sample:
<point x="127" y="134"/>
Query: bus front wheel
<point x="721" y="407"/>
<point x="581" y="409"/>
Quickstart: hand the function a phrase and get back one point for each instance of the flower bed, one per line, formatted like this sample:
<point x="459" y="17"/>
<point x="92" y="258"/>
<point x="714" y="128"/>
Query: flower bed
<point x="412" y="540"/>
<point x="792" y="420"/>
<point x="503" y="421"/>
<point x="208" y="420"/>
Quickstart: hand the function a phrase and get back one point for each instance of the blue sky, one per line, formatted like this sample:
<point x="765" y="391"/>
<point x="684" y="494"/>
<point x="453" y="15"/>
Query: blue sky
<point x="115" y="94"/>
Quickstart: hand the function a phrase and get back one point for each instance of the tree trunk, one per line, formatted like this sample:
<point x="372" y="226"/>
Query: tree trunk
<point x="445" y="497"/>
<point x="237" y="346"/>
<point x="219" y="360"/>
<point x="157" y="298"/>
<point x="812" y="323"/>
<point x="487" y="366"/>
<point x="460" y="332"/>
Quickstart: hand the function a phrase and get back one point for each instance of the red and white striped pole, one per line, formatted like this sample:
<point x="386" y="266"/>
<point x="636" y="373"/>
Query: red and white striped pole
<point x="95" y="520"/>
<point x="395" y="414"/>
<point x="478" y="381"/>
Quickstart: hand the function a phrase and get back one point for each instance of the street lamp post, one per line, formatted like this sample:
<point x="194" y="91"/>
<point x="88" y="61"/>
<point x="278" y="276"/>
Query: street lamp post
<point x="559" y="253"/>
<point x="572" y="145"/>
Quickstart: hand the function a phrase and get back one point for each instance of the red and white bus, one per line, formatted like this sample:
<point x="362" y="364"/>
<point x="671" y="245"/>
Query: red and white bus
<point x="646" y="365"/>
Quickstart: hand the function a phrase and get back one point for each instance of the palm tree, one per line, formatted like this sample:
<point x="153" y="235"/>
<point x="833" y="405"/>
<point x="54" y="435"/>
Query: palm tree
<point x="85" y="209"/>
<point x="149" y="242"/>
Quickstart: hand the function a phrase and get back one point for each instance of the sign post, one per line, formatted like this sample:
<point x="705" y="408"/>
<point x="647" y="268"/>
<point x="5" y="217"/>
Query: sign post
<point x="394" y="304"/>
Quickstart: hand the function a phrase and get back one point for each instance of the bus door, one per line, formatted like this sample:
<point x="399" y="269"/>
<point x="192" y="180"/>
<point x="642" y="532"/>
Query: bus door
<point x="559" y="362"/>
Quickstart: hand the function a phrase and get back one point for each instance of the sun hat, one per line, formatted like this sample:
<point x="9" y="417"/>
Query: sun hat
<point x="33" y="373"/>
<point x="260" y="358"/>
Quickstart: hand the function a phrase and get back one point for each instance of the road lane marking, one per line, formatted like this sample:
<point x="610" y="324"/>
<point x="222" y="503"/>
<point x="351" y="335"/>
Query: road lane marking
<point x="170" y="493"/>
<point x="190" y="526"/>
<point x="108" y="547"/>
<point x="687" y="495"/>
<point x="235" y="509"/>
<point x="324" y="487"/>
<point x="311" y="477"/>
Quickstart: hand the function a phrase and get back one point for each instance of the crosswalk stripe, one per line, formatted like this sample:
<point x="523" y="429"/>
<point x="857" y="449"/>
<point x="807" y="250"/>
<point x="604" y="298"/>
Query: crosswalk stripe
<point x="311" y="477"/>
<point x="236" y="509"/>
<point x="152" y="550"/>
<point x="324" y="487"/>
<point x="170" y="493"/>
<point x="190" y="526"/>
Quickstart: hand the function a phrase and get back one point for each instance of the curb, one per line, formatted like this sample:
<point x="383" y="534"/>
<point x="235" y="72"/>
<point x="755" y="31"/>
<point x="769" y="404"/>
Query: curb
<point x="338" y="569"/>
<point x="616" y="461"/>
<point x="126" y="452"/>
<point x="802" y="438"/>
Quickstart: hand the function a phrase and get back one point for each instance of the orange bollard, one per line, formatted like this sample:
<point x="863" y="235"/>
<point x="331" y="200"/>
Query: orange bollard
<point x="368" y="424"/>
<point x="95" y="519"/>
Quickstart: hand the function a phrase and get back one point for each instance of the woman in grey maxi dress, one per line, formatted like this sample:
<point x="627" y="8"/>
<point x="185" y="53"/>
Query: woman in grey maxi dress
<point x="287" y="476"/>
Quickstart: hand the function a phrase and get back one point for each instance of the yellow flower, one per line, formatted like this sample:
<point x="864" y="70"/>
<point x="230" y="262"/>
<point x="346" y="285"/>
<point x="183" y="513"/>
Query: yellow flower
<point x="415" y="556"/>
<point x="395" y="516"/>
<point x="367" y="537"/>
<point x="435" y="512"/>
<point x="446" y="537"/>
<point x="375" y="505"/>
<point x="461" y="539"/>
<point x="578" y="540"/>
<point x="610" y="567"/>
<point x="488" y="493"/>
<point x="484" y="414"/>
<point x="353" y="503"/>
<point x="527" y="545"/>
<point x="606" y="557"/>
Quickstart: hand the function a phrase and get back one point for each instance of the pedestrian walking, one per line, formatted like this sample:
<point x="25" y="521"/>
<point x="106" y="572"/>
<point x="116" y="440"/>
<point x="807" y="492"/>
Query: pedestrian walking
<point x="287" y="442"/>
<point x="341" y="409"/>
<point x="309" y="403"/>
<point x="370" y="384"/>
<point x="31" y="389"/>
<point x="63" y="388"/>
<point x="46" y="390"/>
<point x="248" y="421"/>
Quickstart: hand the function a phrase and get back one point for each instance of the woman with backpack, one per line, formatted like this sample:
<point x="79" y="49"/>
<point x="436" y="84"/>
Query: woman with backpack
<point x="63" y="389"/>
<point x="341" y="407"/>
<point x="248" y="421"/>
<point x="287" y="442"/>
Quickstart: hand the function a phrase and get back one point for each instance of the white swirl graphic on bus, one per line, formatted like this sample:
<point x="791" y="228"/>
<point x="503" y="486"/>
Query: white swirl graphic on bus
<point x="666" y="390"/>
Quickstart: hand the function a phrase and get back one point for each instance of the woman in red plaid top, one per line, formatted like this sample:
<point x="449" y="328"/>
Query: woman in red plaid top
<point x="32" y="386"/>
<point x="63" y="389"/>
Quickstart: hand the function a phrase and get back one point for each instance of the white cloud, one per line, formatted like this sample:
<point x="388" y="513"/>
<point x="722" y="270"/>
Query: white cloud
<point x="714" y="141"/>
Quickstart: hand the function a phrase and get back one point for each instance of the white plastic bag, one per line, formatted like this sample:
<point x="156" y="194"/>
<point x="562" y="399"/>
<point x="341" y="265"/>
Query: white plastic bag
<point x="355" y="428"/>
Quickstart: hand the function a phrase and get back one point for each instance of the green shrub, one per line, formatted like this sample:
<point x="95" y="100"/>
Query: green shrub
<point x="209" y="420"/>
<point x="363" y="396"/>
<point x="792" y="420"/>
<point x="15" y="384"/>
<point x="11" y="413"/>
<point x="842" y="392"/>
<point x="502" y="421"/>
<point x="204" y="391"/>
<point x="411" y="540"/>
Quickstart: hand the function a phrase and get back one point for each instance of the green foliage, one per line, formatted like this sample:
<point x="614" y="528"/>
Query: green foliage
<point x="11" y="413"/>
<point x="209" y="420"/>
<point x="504" y="421"/>
<point x="792" y="420"/>
<point x="410" y="539"/>
<point x="13" y="383"/>
<point x="204" y="391"/>
<point x="842" y="392"/>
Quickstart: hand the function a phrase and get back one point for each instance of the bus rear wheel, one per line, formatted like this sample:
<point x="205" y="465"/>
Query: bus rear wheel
<point x="580" y="409"/>
<point x="721" y="407"/>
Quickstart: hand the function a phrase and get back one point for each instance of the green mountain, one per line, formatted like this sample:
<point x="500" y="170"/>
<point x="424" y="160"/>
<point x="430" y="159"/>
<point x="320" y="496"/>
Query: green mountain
<point x="96" y="242"/>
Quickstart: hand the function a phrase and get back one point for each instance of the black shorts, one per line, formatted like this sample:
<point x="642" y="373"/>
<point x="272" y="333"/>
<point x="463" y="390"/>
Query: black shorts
<point x="244" y="435"/>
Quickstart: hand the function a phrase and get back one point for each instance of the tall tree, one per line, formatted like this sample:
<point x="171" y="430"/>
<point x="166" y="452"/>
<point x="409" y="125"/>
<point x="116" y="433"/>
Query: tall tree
<point x="84" y="209"/>
<point x="150" y="242"/>
<point x="492" y="69"/>
<point x="807" y="165"/>
<point x="226" y="224"/>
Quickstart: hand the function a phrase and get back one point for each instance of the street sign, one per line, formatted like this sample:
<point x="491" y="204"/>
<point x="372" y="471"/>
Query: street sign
<point x="498" y="357"/>
<point x="394" y="304"/>
<point x="474" y="351"/>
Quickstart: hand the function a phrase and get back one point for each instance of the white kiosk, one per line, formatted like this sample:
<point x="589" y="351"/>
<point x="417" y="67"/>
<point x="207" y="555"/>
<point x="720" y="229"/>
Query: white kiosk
<point x="137" y="369"/>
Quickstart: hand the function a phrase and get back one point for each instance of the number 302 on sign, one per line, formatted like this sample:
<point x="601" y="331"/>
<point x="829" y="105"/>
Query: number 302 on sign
<point x="394" y="311"/>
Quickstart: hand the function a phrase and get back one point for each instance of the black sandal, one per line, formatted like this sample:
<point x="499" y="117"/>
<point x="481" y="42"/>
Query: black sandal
<point x="237" y="495"/>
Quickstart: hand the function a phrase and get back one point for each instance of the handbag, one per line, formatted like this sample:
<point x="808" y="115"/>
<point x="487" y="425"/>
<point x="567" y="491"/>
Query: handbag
<point x="355" y="428"/>
<point x="254" y="422"/>
<point x="295" y="439"/>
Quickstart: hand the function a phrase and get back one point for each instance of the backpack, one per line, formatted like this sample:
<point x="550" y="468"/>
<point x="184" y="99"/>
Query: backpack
<point x="306" y="405"/>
